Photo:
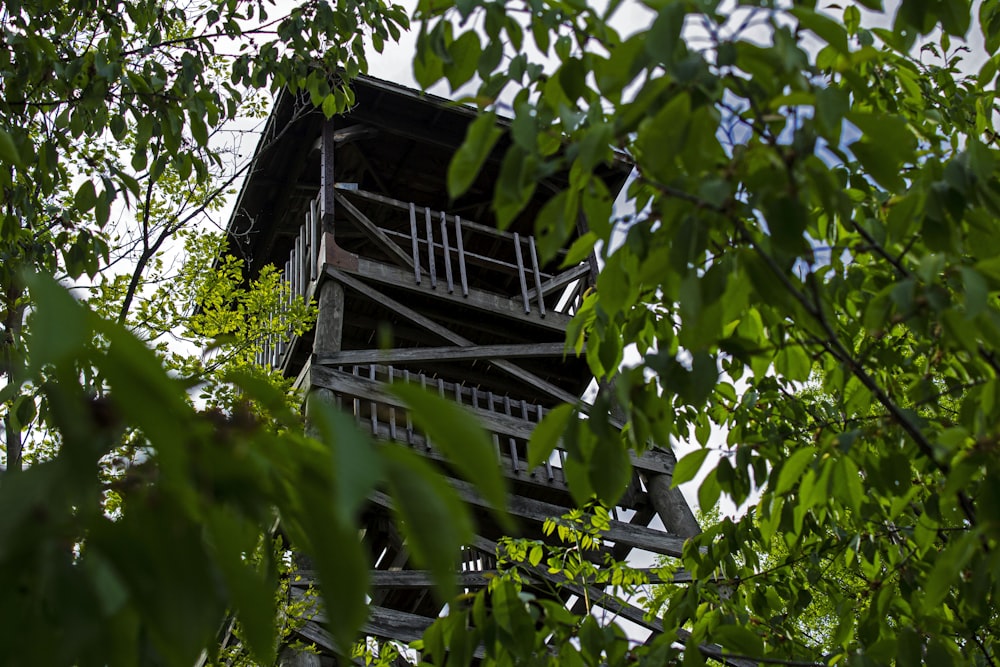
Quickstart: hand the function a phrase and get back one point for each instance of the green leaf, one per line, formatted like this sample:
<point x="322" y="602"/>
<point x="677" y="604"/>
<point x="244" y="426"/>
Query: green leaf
<point x="824" y="27"/>
<point x="465" y="52"/>
<point x="462" y="439"/>
<point x="688" y="466"/>
<point x="356" y="467"/>
<point x="435" y="521"/>
<point x="482" y="135"/>
<point x="739" y="640"/>
<point x="792" y="469"/>
<point x="60" y="326"/>
<point x="610" y="470"/>
<point x="8" y="150"/>
<point x="546" y="435"/>
<point x="86" y="196"/>
<point x="665" y="34"/>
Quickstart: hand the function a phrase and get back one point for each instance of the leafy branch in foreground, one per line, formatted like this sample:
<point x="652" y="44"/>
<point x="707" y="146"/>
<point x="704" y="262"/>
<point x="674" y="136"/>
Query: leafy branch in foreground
<point x="821" y="201"/>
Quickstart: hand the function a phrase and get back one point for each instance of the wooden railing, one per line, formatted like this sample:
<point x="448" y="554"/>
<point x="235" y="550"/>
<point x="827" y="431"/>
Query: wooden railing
<point x="360" y="391"/>
<point x="434" y="243"/>
<point x="300" y="273"/>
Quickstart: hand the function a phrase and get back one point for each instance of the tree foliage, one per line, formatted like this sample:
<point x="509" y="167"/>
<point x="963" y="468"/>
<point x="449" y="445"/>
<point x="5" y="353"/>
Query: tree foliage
<point x="814" y="198"/>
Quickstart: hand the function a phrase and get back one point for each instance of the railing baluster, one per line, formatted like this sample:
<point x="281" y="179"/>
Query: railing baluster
<point x="294" y="261"/>
<point x="314" y="236"/>
<point x="356" y="403"/>
<point x="520" y="272"/>
<point x="430" y="248"/>
<point x="304" y="279"/>
<point x="496" y="438"/>
<point x="460" y="244"/>
<point x="524" y="416"/>
<point x="447" y="253"/>
<point x="511" y="444"/>
<point x="538" y="276"/>
<point x="392" y="410"/>
<point x="423" y="385"/>
<point x="415" y="244"/>
<point x="372" y="405"/>
<point x="409" y="419"/>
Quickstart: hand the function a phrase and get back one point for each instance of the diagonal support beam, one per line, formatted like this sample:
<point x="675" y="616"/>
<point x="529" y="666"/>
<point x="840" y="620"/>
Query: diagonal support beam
<point x="506" y="366"/>
<point x="560" y="280"/>
<point x="377" y="235"/>
<point x="450" y="353"/>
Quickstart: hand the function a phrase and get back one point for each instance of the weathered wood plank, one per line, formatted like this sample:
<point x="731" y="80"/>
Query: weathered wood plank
<point x="489" y="302"/>
<point x="560" y="280"/>
<point x="537" y="275"/>
<point x="396" y="203"/>
<point x="450" y="353"/>
<point x="414" y="245"/>
<point x="460" y="244"/>
<point x="520" y="273"/>
<point x="327" y="176"/>
<point x="409" y="579"/>
<point x="652" y="460"/>
<point x="539" y="511"/>
<point x="376" y="234"/>
<point x="506" y="366"/>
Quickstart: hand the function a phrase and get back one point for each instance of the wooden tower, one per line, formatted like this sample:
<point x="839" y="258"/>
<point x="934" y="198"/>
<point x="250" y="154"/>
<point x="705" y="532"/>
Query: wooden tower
<point x="356" y="213"/>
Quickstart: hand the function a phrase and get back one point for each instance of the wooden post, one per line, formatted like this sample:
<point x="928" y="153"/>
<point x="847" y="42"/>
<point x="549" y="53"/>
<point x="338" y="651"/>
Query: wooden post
<point x="330" y="321"/>
<point x="669" y="503"/>
<point x="327" y="192"/>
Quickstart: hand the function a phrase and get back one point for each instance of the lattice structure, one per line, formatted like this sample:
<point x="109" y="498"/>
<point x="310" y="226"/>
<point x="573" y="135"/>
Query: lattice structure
<point x="356" y="212"/>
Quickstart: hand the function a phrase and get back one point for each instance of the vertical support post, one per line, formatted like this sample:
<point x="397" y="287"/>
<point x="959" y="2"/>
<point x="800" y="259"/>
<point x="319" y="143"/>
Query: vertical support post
<point x="304" y="278"/>
<point x="538" y="277"/>
<point x="330" y="320"/>
<point x="415" y="244"/>
<point x="327" y="191"/>
<point x="293" y="261"/>
<point x="447" y="252"/>
<point x="314" y="233"/>
<point x="460" y="244"/>
<point x="430" y="248"/>
<point x="520" y="272"/>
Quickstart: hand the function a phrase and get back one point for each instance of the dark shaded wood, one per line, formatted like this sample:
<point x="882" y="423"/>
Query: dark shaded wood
<point x="449" y="335"/>
<point x="329" y="330"/>
<point x="376" y="234"/>
<point x="652" y="460"/>
<point x="328" y="143"/>
<point x="671" y="505"/>
<point x="490" y="302"/>
<point x="451" y="353"/>
<point x="539" y="511"/>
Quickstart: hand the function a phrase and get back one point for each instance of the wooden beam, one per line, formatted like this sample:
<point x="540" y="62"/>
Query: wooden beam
<point x="654" y="461"/>
<point x="402" y="205"/>
<point x="328" y="142"/>
<point x="450" y="353"/>
<point x="560" y="280"/>
<point x="496" y="304"/>
<point x="622" y="608"/>
<point x="376" y="234"/>
<point x="329" y="330"/>
<point x="409" y="579"/>
<point x="510" y="368"/>
<point x="539" y="511"/>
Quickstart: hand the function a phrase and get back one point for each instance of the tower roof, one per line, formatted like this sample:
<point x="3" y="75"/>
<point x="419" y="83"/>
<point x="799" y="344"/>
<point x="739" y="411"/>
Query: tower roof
<point x="394" y="141"/>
